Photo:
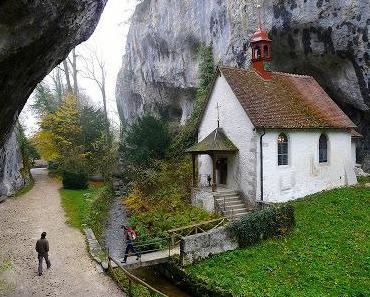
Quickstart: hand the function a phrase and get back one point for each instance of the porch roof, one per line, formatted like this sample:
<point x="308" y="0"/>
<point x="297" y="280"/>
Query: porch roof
<point x="216" y="141"/>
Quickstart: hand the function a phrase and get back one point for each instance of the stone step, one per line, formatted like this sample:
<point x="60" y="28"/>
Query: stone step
<point x="236" y="211"/>
<point x="234" y="205"/>
<point x="229" y="199"/>
<point x="226" y="194"/>
<point x="231" y="204"/>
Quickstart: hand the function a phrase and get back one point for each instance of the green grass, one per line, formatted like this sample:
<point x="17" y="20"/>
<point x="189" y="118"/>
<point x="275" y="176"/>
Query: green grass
<point x="25" y="189"/>
<point x="87" y="207"/>
<point x="327" y="254"/>
<point x="75" y="204"/>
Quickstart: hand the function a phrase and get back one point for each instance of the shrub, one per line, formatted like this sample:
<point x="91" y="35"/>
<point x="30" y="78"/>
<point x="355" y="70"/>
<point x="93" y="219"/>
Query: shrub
<point x="75" y="179"/>
<point x="98" y="211"/>
<point x="147" y="139"/>
<point x="259" y="225"/>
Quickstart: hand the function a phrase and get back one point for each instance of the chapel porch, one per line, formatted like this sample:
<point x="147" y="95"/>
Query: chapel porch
<point x="218" y="147"/>
<point x="216" y="195"/>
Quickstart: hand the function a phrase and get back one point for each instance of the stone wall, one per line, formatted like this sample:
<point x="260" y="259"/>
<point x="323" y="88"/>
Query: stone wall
<point x="200" y="246"/>
<point x="203" y="197"/>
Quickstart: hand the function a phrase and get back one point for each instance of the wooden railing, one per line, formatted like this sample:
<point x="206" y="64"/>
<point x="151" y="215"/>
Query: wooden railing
<point x="177" y="233"/>
<point x="133" y="280"/>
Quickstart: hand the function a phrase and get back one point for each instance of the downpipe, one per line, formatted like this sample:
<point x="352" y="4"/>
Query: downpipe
<point x="261" y="163"/>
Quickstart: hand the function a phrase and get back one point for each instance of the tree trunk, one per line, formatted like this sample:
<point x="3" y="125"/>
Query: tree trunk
<point x="66" y="72"/>
<point x="74" y="73"/>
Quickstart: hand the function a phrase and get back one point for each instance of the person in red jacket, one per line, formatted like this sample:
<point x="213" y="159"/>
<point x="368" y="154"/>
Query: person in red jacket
<point x="130" y="236"/>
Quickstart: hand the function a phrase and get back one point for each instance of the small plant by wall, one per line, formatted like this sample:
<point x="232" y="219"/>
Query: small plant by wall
<point x="267" y="223"/>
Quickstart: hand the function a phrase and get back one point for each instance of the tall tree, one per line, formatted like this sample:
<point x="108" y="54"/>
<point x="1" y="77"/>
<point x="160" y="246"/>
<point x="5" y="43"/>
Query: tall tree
<point x="68" y="79"/>
<point x="95" y="70"/>
<point x="45" y="101"/>
<point x="75" y="73"/>
<point x="61" y="136"/>
<point x="146" y="140"/>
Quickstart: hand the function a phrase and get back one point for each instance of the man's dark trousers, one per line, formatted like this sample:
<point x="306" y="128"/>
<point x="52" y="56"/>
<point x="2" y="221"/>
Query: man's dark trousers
<point x="46" y="257"/>
<point x="130" y="247"/>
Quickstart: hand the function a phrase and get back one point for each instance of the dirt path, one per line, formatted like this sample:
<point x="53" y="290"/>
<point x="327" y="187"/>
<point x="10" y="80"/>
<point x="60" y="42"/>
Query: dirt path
<point x="21" y="222"/>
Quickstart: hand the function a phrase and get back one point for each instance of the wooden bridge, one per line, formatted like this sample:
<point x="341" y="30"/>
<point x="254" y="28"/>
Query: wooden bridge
<point x="159" y="251"/>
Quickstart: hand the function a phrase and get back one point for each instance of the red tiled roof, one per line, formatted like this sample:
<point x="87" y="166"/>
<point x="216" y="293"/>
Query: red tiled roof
<point x="356" y="134"/>
<point x="285" y="101"/>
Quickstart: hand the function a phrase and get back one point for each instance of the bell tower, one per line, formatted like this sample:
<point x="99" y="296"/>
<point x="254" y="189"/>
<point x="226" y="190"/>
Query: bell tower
<point x="261" y="50"/>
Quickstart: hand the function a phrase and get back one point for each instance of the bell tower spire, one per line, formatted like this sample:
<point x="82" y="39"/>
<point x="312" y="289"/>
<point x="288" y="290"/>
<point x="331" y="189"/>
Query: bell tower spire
<point x="261" y="50"/>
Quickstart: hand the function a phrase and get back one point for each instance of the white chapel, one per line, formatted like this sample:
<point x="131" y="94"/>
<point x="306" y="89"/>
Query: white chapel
<point x="269" y="137"/>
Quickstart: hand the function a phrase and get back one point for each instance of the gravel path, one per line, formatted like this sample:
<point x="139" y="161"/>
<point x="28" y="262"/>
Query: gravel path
<point x="21" y="222"/>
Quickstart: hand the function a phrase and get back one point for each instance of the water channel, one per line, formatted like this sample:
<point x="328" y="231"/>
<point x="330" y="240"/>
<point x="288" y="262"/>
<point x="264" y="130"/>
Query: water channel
<point x="158" y="281"/>
<point x="114" y="241"/>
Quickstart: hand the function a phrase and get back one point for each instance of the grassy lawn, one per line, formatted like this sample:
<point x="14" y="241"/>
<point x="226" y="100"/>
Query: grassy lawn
<point x="327" y="254"/>
<point x="75" y="204"/>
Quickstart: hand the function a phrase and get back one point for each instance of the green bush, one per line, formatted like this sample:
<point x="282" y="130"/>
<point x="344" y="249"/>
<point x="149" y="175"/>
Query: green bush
<point x="259" y="225"/>
<point x="75" y="179"/>
<point x="98" y="211"/>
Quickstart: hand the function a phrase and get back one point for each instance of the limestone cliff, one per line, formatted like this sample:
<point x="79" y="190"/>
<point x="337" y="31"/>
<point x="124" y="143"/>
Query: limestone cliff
<point x="12" y="177"/>
<point x="328" y="39"/>
<point x="35" y="36"/>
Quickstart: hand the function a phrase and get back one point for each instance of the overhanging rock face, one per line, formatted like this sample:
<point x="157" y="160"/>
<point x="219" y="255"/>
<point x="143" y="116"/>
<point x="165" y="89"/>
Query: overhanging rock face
<point x="35" y="36"/>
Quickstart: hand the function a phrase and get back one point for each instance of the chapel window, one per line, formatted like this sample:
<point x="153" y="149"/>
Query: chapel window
<point x="266" y="53"/>
<point x="282" y="149"/>
<point x="258" y="53"/>
<point x="323" y="149"/>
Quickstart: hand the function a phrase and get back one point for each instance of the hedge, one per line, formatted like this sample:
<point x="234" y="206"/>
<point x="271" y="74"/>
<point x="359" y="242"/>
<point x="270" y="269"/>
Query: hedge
<point x="75" y="179"/>
<point x="267" y="223"/>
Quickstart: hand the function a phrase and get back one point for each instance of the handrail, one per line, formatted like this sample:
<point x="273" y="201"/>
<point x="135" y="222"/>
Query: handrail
<point x="194" y="228"/>
<point x="135" y="278"/>
<point x="195" y="225"/>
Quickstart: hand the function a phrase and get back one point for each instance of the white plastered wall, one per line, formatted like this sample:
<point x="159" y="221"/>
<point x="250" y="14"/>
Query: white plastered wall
<point x="242" y="166"/>
<point x="304" y="174"/>
<point x="353" y="151"/>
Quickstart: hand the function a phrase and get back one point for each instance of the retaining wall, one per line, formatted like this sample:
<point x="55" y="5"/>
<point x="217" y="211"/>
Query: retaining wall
<point x="200" y="246"/>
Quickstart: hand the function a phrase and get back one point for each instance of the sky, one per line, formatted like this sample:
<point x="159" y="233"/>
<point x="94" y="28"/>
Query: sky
<point x="109" y="40"/>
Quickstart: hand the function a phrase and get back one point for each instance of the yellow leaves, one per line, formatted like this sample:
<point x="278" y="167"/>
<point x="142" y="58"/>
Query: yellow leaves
<point x="43" y="141"/>
<point x="136" y="201"/>
<point x="61" y="132"/>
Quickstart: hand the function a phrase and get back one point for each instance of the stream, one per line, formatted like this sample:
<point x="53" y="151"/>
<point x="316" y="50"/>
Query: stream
<point x="158" y="281"/>
<point x="114" y="241"/>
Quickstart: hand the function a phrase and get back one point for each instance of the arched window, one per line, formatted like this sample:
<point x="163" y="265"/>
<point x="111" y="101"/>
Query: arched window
<point x="266" y="53"/>
<point x="282" y="149"/>
<point x="258" y="53"/>
<point x="323" y="148"/>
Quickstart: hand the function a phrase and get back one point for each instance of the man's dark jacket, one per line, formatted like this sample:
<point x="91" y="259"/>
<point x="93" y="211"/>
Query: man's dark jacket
<point x="42" y="246"/>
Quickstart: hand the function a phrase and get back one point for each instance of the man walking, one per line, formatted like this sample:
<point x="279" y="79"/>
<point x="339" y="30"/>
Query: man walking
<point x="130" y="236"/>
<point x="42" y="248"/>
